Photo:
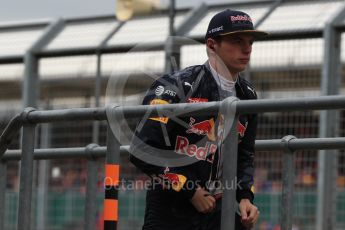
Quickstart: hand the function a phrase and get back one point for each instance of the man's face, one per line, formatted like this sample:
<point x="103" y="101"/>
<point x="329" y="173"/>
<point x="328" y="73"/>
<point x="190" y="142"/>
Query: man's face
<point x="234" y="50"/>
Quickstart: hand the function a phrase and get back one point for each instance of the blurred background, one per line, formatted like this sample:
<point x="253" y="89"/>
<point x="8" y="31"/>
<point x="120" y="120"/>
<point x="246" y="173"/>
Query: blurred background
<point x="80" y="55"/>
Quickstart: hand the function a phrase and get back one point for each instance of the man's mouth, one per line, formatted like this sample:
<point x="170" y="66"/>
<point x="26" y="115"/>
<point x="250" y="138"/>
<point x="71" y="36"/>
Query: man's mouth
<point x="244" y="60"/>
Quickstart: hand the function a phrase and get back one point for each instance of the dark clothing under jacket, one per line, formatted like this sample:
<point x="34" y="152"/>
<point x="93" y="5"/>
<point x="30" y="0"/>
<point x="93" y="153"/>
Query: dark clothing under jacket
<point x="198" y="137"/>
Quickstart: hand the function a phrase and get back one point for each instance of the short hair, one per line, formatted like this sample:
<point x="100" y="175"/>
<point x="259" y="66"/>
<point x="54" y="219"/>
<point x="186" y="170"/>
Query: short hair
<point x="218" y="39"/>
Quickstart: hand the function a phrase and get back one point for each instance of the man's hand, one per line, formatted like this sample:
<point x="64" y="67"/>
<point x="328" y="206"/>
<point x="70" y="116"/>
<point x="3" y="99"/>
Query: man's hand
<point x="249" y="213"/>
<point x="203" y="201"/>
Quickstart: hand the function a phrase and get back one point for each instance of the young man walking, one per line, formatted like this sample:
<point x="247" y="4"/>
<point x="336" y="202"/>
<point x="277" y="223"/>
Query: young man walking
<point x="189" y="196"/>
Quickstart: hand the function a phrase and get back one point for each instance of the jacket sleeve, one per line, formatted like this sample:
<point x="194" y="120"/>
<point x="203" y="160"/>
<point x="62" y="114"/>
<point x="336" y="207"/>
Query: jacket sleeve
<point x="154" y="136"/>
<point x="245" y="161"/>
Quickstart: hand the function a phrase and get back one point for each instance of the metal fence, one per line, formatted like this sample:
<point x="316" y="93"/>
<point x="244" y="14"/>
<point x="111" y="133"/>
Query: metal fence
<point x="64" y="60"/>
<point x="232" y="108"/>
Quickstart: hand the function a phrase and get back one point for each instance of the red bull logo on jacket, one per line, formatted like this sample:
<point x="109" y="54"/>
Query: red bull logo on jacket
<point x="241" y="129"/>
<point x="182" y="146"/>
<point x="176" y="180"/>
<point x="197" y="100"/>
<point x="202" y="128"/>
<point x="159" y="102"/>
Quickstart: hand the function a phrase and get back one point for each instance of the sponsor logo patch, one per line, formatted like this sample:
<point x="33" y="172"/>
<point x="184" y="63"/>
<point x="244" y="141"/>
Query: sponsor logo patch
<point x="159" y="90"/>
<point x="170" y="92"/>
<point x="183" y="147"/>
<point x="188" y="84"/>
<point x="241" y="129"/>
<point x="197" y="100"/>
<point x="220" y="28"/>
<point x="240" y="18"/>
<point x="202" y="128"/>
<point x="175" y="180"/>
<point x="159" y="102"/>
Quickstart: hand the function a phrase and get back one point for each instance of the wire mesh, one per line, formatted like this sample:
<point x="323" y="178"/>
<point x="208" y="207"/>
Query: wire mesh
<point x="289" y="70"/>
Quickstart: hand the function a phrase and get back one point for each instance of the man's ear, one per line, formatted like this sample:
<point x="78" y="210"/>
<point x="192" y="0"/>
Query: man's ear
<point x="211" y="44"/>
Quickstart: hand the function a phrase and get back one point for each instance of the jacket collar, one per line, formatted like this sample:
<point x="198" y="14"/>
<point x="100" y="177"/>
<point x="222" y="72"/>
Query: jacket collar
<point x="240" y="93"/>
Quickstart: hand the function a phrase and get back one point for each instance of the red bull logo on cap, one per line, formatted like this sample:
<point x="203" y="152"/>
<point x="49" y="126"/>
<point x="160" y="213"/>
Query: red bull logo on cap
<point x="240" y="18"/>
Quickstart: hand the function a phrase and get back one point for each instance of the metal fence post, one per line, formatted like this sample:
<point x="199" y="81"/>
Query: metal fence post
<point x="111" y="180"/>
<point x="329" y="122"/>
<point x="91" y="189"/>
<point x="170" y="57"/>
<point x="229" y="154"/>
<point x="43" y="180"/>
<point x="98" y="83"/>
<point x="26" y="175"/>
<point x="288" y="183"/>
<point x="3" y="181"/>
<point x="31" y="80"/>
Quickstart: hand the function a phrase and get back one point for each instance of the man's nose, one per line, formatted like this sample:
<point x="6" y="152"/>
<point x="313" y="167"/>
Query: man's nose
<point x="247" y="48"/>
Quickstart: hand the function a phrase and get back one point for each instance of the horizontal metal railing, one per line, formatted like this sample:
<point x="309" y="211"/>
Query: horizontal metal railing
<point x="100" y="151"/>
<point x="231" y="108"/>
<point x="30" y="115"/>
<point x="94" y="151"/>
